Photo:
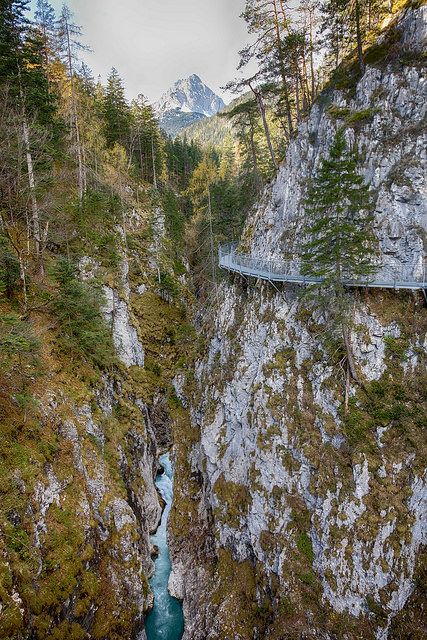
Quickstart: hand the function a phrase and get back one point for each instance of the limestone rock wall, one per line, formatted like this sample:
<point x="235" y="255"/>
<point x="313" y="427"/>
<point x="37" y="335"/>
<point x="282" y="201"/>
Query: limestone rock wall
<point x="75" y="551"/>
<point x="304" y="521"/>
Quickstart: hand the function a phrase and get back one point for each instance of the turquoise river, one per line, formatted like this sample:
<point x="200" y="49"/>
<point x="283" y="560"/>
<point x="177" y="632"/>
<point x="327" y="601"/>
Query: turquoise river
<point x="165" y="621"/>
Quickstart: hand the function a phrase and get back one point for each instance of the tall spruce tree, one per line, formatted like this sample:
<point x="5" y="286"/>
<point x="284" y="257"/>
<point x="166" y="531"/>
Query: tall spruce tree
<point x="245" y="121"/>
<point x="340" y="244"/>
<point x="146" y="145"/>
<point x="69" y="46"/>
<point x="24" y="80"/>
<point x="116" y="111"/>
<point x="45" y="22"/>
<point x="13" y="25"/>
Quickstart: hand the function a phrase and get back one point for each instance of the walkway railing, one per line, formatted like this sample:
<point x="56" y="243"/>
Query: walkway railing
<point x="282" y="271"/>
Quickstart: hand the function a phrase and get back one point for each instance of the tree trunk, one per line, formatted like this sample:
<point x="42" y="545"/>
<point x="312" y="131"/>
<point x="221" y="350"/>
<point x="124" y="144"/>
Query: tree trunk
<point x="31" y="177"/>
<point x="347" y="388"/>
<point x="359" y="36"/>
<point x="213" y="261"/>
<point x="141" y="160"/>
<point x="306" y="91"/>
<point x="285" y="20"/>
<point x="258" y="180"/>
<point x="75" y="122"/>
<point x="23" y="277"/>
<point x="297" y="91"/>
<point x="80" y="156"/>
<point x="350" y="357"/>
<point x="22" y="269"/>
<point x="261" y="107"/>
<point x="337" y="53"/>
<point x="313" y="85"/>
<point x="282" y="65"/>
<point x="32" y="184"/>
<point x="153" y="156"/>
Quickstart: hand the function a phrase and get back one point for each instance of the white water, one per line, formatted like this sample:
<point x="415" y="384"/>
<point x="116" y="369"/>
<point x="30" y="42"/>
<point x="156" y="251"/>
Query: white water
<point x="165" y="621"/>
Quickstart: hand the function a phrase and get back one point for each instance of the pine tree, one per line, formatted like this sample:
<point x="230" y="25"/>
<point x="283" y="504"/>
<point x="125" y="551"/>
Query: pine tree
<point x="45" y="22"/>
<point x="146" y="145"/>
<point x="346" y="24"/>
<point x="69" y="46"/>
<point x="13" y="25"/>
<point x="269" y="21"/>
<point x="259" y="91"/>
<point x="308" y="12"/>
<point x="333" y="25"/>
<point x="21" y="73"/>
<point x="340" y="243"/>
<point x="245" y="119"/>
<point x="116" y="111"/>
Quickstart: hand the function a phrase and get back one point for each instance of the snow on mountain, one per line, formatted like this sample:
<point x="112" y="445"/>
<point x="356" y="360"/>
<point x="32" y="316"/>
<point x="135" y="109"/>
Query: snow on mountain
<point x="187" y="96"/>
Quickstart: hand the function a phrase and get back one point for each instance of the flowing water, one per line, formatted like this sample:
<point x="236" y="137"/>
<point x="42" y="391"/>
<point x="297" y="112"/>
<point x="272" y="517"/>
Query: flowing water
<point x="165" y="621"/>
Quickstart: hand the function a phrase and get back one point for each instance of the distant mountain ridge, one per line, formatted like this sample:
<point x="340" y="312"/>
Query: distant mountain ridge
<point x="187" y="101"/>
<point x="212" y="132"/>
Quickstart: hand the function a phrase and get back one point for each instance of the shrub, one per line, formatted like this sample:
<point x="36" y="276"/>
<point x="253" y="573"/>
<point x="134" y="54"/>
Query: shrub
<point x="360" y="117"/>
<point x="308" y="579"/>
<point x="396" y="348"/>
<point x="96" y="218"/>
<point x="19" y="359"/>
<point x="168" y="285"/>
<point x="9" y="269"/>
<point x="83" y="331"/>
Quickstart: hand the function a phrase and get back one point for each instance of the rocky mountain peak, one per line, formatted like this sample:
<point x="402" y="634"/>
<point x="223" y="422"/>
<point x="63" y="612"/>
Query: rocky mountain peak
<point x="190" y="95"/>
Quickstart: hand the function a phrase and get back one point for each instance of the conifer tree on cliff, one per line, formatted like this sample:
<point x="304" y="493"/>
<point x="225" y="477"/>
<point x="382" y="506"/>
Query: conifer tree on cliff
<point x="340" y="244"/>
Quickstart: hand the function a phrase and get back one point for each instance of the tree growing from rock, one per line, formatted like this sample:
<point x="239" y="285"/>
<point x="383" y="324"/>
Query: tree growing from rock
<point x="245" y="121"/>
<point x="340" y="244"/>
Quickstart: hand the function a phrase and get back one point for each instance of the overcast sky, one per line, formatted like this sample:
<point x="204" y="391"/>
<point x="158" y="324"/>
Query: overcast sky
<point x="152" y="43"/>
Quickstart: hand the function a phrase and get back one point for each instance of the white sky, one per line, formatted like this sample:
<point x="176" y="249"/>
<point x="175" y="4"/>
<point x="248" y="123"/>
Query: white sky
<point x="152" y="43"/>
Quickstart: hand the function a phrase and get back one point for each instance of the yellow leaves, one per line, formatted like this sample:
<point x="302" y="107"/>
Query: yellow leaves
<point x="204" y="175"/>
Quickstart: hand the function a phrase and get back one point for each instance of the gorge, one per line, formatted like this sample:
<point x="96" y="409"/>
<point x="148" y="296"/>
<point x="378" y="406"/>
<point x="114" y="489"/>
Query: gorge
<point x="190" y="452"/>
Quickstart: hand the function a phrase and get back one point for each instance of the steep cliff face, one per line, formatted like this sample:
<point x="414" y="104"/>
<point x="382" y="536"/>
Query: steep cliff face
<point x="78" y="475"/>
<point x="292" y="517"/>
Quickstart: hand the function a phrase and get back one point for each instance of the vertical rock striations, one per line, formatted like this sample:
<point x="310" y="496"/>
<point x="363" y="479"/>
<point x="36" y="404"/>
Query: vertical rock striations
<point x="293" y="519"/>
<point x="80" y="499"/>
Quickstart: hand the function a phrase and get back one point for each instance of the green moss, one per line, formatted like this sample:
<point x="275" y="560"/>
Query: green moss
<point x="242" y="610"/>
<point x="375" y="607"/>
<point x="338" y="113"/>
<point x="305" y="546"/>
<point x="360" y="117"/>
<point x="351" y="118"/>
<point x="308" y="579"/>
<point x="396" y="348"/>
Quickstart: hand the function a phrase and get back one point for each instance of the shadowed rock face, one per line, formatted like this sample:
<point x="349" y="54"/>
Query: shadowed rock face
<point x="312" y="522"/>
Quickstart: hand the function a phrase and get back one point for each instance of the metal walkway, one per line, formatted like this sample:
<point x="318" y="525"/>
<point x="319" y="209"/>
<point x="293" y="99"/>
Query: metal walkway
<point x="275" y="271"/>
